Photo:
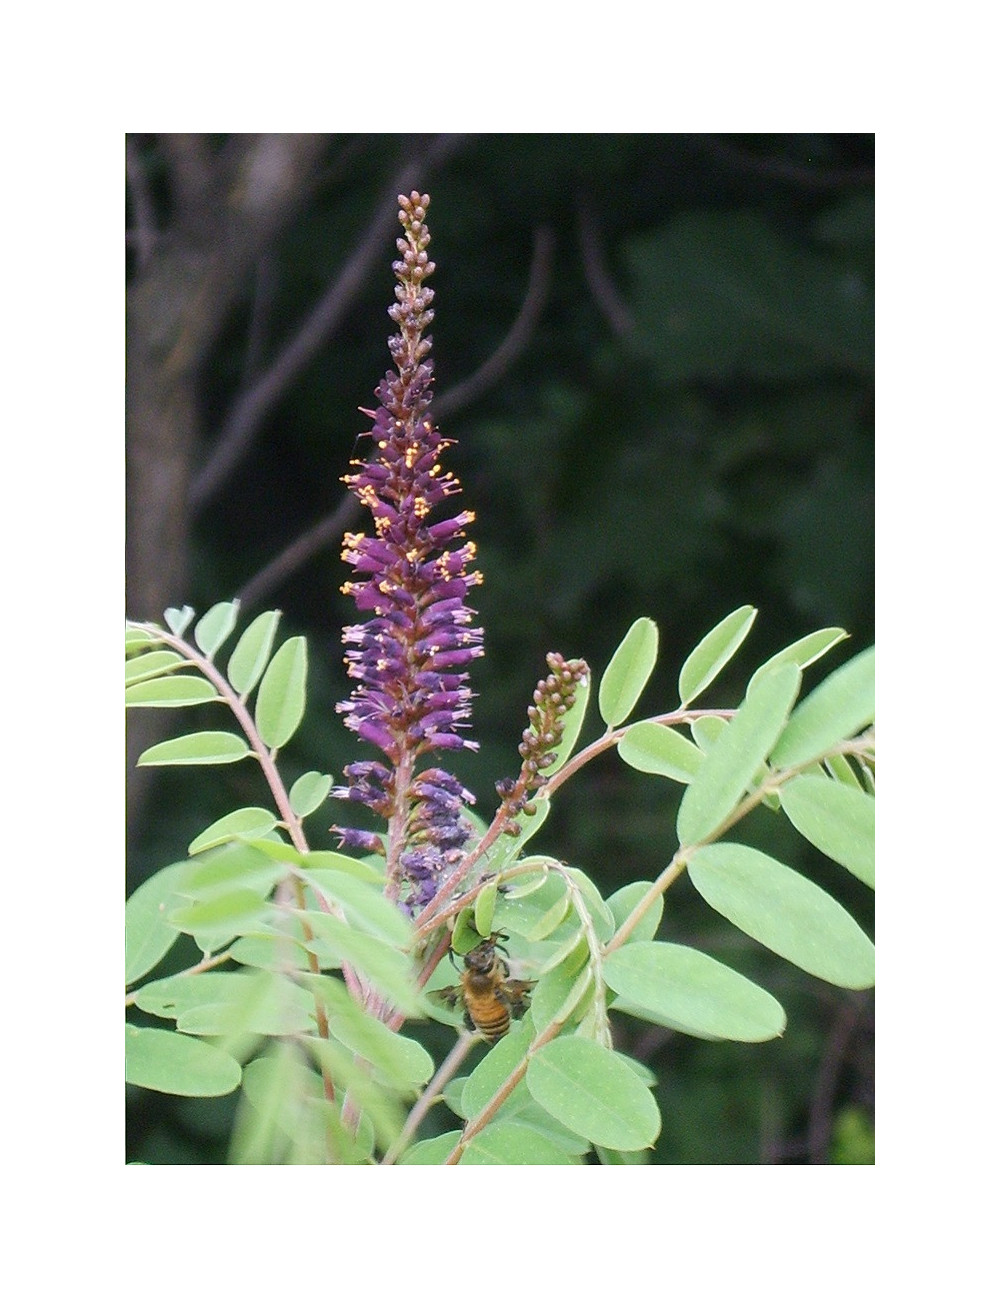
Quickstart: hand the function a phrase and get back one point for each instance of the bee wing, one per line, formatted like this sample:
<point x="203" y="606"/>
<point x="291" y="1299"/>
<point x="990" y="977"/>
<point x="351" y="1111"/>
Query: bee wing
<point x="451" y="995"/>
<point x="518" y="995"/>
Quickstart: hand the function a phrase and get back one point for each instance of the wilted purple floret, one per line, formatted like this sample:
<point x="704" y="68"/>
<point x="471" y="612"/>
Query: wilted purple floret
<point x="409" y="659"/>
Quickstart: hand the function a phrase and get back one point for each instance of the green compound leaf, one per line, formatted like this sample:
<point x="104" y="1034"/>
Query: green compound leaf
<point x="495" y="1068"/>
<point x="224" y="894"/>
<point x="564" y="993"/>
<point x="486" y="901"/>
<point x="707" y="730"/>
<point x="625" y="899"/>
<point x="388" y="969"/>
<point x="806" y="650"/>
<point x="229" y="866"/>
<point x="785" y="912"/>
<point x="137" y="638"/>
<point x="281" y="700"/>
<point x="733" y="761"/>
<point x="628" y="672"/>
<point x="401" y="1061"/>
<point x="198" y="747"/>
<point x="178" y="619"/>
<point x="173" y="692"/>
<point x="281" y="1117"/>
<point x="509" y="1142"/>
<point x="230" y="1002"/>
<point x="570" y="953"/>
<point x="365" y="907"/>
<point x="270" y="951"/>
<point x="840" y="769"/>
<point x="608" y="1157"/>
<point x="650" y="747"/>
<point x="686" y="990"/>
<point x="154" y="663"/>
<point x="839" y="819"/>
<point x="594" y="1092"/>
<point x="379" y="1104"/>
<point x="169" y="1062"/>
<point x="243" y="822"/>
<point x="432" y="1151"/>
<point x="321" y="860"/>
<point x="534" y="916"/>
<point x="838" y="708"/>
<point x="148" y="934"/>
<point x="253" y="649"/>
<point x="215" y="920"/>
<point x="595" y="906"/>
<point x="309" y="792"/>
<point x="289" y="1121"/>
<point x="713" y="652"/>
<point x="215" y="625"/>
<point x="528" y="1113"/>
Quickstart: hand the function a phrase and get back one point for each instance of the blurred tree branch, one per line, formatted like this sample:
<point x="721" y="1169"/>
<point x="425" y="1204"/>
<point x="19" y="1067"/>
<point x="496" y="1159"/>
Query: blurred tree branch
<point x="254" y="402"/>
<point x="143" y="232"/>
<point x="227" y="205"/>
<point x="226" y="209"/>
<point x="224" y="216"/>
<point x="783" y="169"/>
<point x="514" y="342"/>
<point x="848" y="1018"/>
<point x="595" y="268"/>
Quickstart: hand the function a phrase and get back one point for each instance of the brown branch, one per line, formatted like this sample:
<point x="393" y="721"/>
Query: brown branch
<point x="230" y="216"/>
<point x="189" y="160"/>
<point x="595" y="269"/>
<point x="265" y="286"/>
<point x="516" y="339"/>
<point x="328" y="532"/>
<point x="782" y="169"/>
<point x="821" y="1105"/>
<point x="143" y="233"/>
<point x="253" y="404"/>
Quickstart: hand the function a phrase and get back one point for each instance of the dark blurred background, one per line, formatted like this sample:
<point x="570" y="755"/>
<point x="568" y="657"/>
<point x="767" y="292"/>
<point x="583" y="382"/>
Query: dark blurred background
<point x="656" y="353"/>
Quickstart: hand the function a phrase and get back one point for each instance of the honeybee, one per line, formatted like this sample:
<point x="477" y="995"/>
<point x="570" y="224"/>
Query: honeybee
<point x="490" y="997"/>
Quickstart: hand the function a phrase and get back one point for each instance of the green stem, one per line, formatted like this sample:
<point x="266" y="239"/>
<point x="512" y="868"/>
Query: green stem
<point x="860" y="746"/>
<point x="291" y="822"/>
<point x="449" y="1065"/>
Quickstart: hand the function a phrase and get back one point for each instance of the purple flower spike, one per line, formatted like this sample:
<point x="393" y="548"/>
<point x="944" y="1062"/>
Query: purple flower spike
<point x="409" y="659"/>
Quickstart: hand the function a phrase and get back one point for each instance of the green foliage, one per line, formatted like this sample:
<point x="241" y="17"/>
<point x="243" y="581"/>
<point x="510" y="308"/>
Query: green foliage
<point x="166" y="1062"/>
<point x="628" y="672"/>
<point x="730" y="764"/>
<point x="593" y="1092"/>
<point x="713" y="652"/>
<point x="853" y="1140"/>
<point x="307" y="971"/>
<point x="707" y="448"/>
<point x="785" y="912"/>
<point x="715" y="280"/>
<point x="668" y="984"/>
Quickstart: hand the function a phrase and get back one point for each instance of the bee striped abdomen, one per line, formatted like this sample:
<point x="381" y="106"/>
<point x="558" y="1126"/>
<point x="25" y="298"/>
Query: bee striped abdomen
<point x="488" y="994"/>
<point x="486" y="1007"/>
